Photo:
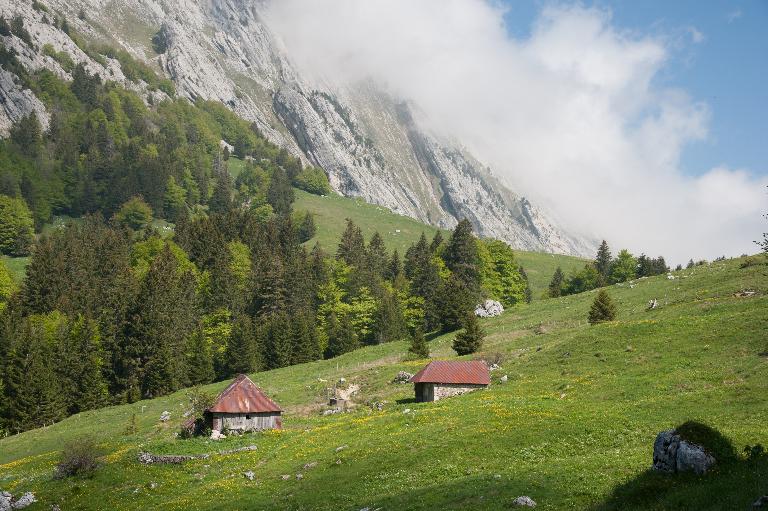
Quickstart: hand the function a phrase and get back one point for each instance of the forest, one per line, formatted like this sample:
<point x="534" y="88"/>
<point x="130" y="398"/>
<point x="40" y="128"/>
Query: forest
<point x="172" y="272"/>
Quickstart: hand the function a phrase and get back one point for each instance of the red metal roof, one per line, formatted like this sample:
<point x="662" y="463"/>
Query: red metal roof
<point x="474" y="372"/>
<point x="243" y="396"/>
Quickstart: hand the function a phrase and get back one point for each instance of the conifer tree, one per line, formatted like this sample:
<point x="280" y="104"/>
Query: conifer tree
<point x="690" y="264"/>
<point x="556" y="284"/>
<point x="199" y="360"/>
<point x="26" y="133"/>
<point x="437" y="242"/>
<point x="603" y="308"/>
<point x="241" y="351"/>
<point x="80" y="366"/>
<point x="394" y="267"/>
<point x="221" y="200"/>
<point x="462" y="258"/>
<point x="377" y="256"/>
<point x="527" y="293"/>
<point x="351" y="248"/>
<point x="306" y="346"/>
<point x="280" y="193"/>
<point x="603" y="263"/>
<point x="342" y="337"/>
<point x="277" y="341"/>
<point x="389" y="324"/>
<point x="470" y="339"/>
<point x="419" y="346"/>
<point x="453" y="301"/>
<point x="307" y="228"/>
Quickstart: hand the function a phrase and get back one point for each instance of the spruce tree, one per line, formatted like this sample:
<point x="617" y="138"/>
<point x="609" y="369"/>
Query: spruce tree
<point x="221" y="200"/>
<point x="437" y="242"/>
<point x="470" y="339"/>
<point x="342" y="337"/>
<point x="461" y="256"/>
<point x="27" y="133"/>
<point x="241" y="355"/>
<point x="603" y="263"/>
<point x="280" y="192"/>
<point x="307" y="228"/>
<point x="394" y="267"/>
<point x="199" y="360"/>
<point x="453" y="300"/>
<point x="376" y="255"/>
<point x="556" y="284"/>
<point x="389" y="324"/>
<point x="277" y="340"/>
<point x="306" y="346"/>
<point x="603" y="308"/>
<point x="351" y="248"/>
<point x="419" y="346"/>
<point x="82" y="349"/>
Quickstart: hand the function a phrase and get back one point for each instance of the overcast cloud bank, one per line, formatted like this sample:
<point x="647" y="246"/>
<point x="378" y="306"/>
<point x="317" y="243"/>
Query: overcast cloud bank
<point x="570" y="117"/>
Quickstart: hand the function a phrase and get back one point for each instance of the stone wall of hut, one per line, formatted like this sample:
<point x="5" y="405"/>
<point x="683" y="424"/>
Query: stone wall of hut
<point x="436" y="391"/>
<point x="246" y="422"/>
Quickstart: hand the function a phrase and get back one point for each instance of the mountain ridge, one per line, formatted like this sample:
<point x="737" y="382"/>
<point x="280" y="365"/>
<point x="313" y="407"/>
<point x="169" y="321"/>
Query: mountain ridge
<point x="367" y="141"/>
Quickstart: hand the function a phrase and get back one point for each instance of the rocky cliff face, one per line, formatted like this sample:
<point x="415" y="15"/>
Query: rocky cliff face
<point x="368" y="142"/>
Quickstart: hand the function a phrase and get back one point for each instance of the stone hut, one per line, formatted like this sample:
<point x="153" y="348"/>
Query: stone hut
<point x="441" y="379"/>
<point x="244" y="407"/>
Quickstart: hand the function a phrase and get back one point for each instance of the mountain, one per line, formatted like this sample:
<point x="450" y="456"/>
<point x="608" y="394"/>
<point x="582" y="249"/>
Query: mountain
<point x="371" y="144"/>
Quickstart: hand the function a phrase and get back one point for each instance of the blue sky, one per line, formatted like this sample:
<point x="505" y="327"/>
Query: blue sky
<point x="727" y="68"/>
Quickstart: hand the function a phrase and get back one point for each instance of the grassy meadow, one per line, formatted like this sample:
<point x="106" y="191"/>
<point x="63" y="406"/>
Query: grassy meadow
<point x="573" y="427"/>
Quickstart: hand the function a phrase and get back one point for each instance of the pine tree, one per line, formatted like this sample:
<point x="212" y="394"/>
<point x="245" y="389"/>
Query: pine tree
<point x="394" y="267"/>
<point x="419" y="346"/>
<point x="306" y="347"/>
<point x="470" y="339"/>
<point x="342" y="337"/>
<point x="690" y="264"/>
<point x="556" y="284"/>
<point x="280" y="192"/>
<point x="199" y="360"/>
<point x="241" y="351"/>
<point x="603" y="308"/>
<point x="351" y="248"/>
<point x="307" y="228"/>
<point x="278" y="342"/>
<point x="462" y="258"/>
<point x="527" y="293"/>
<point x="603" y="263"/>
<point x="221" y="200"/>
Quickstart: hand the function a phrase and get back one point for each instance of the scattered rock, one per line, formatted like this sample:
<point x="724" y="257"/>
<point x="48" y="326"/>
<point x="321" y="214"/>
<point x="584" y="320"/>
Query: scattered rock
<point x="761" y="503"/>
<point x="341" y="448"/>
<point x="165" y="416"/>
<point x="342" y="381"/>
<point x="338" y="462"/>
<point x="239" y="449"/>
<point x="652" y="304"/>
<point x="494" y="367"/>
<point x="504" y="379"/>
<point x="488" y="309"/>
<point x="377" y="405"/>
<point x="672" y="454"/>
<point x="146" y="458"/>
<point x="217" y="435"/>
<point x="540" y="329"/>
<point x="285" y="477"/>
<point x="249" y="475"/>
<point x="152" y="485"/>
<point x="524" y="501"/>
<point x="332" y="411"/>
<point x="402" y="377"/>
<point x="407" y="410"/>
<point x="497" y="476"/>
<point x="745" y="293"/>
<point x="299" y="477"/>
<point x="311" y="465"/>
<point x="538" y="348"/>
<point x="55" y="507"/>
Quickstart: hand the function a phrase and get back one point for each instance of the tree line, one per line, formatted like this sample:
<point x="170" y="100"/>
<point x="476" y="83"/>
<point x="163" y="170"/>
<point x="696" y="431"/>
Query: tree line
<point x="605" y="270"/>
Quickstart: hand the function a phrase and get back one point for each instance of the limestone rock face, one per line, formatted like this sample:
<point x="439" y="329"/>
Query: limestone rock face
<point x="371" y="144"/>
<point x="489" y="309"/>
<point x="672" y="454"/>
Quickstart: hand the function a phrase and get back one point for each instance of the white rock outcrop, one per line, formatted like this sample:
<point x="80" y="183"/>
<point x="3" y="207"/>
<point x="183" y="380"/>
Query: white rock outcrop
<point x="489" y="309"/>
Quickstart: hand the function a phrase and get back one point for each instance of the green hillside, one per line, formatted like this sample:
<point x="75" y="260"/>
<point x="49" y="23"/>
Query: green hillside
<point x="399" y="232"/>
<point x="573" y="427"/>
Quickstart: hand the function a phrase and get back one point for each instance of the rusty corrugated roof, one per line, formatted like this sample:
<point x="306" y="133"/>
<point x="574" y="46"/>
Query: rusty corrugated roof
<point x="473" y="372"/>
<point x="243" y="396"/>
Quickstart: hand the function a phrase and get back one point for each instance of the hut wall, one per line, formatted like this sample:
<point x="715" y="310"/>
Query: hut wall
<point x="247" y="422"/>
<point x="442" y="390"/>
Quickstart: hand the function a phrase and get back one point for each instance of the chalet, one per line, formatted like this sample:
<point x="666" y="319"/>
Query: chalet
<point x="244" y="407"/>
<point x="441" y="379"/>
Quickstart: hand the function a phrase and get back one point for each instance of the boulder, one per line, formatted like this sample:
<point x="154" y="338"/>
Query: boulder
<point x="217" y="435"/>
<point x="672" y="454"/>
<point x="5" y="501"/>
<point x="760" y="503"/>
<point x="488" y="309"/>
<point x="249" y="475"/>
<point x="165" y="416"/>
<point x="524" y="501"/>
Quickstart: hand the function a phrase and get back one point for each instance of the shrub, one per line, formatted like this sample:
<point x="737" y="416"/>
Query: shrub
<point x="312" y="180"/>
<point x="603" y="308"/>
<point x="713" y="442"/>
<point x="135" y="213"/>
<point x="80" y="457"/>
<point x="470" y="339"/>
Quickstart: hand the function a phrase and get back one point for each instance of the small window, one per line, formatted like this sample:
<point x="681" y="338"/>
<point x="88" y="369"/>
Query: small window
<point x="247" y="417"/>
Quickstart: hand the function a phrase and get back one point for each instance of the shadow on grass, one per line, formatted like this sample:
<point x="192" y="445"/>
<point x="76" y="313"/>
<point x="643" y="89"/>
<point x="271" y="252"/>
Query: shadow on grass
<point x="405" y="400"/>
<point x="735" y="485"/>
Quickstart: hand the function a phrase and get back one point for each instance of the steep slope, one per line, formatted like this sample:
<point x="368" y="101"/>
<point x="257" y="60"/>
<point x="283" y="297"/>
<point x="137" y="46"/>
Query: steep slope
<point x="572" y="427"/>
<point x="367" y="141"/>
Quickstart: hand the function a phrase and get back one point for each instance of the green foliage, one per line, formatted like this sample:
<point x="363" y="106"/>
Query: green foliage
<point x="419" y="347"/>
<point x="556" y="284"/>
<point x="470" y="339"/>
<point x="602" y="309"/>
<point x="500" y="274"/>
<point x="16" y="226"/>
<point x="19" y="30"/>
<point x="342" y="336"/>
<point x="62" y="57"/>
<point x="313" y="180"/>
<point x="200" y="368"/>
<point x="585" y="280"/>
<point x="175" y="200"/>
<point x="135" y="214"/>
<point x="80" y="457"/>
<point x="624" y="267"/>
<point x="461" y="256"/>
<point x="27" y="135"/>
<point x="7" y="284"/>
<point x="307" y="228"/>
<point x="603" y="263"/>
<point x="280" y="194"/>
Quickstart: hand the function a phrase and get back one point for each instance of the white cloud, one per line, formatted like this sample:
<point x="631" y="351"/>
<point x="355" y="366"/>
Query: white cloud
<point x="734" y="15"/>
<point x="697" y="36"/>
<point x="571" y="116"/>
